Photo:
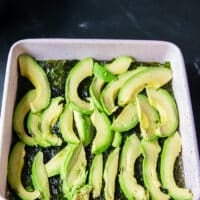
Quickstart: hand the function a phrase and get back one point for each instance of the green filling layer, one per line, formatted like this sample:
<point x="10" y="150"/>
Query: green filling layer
<point x="57" y="72"/>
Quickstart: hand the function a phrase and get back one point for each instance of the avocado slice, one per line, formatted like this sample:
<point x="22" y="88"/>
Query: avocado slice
<point x="73" y="170"/>
<point x="166" y="106"/>
<point x="53" y="166"/>
<point x="65" y="125"/>
<point x="30" y="69"/>
<point x="96" y="175"/>
<point x="33" y="125"/>
<point x="154" y="77"/>
<point x="127" y="119"/>
<point x="102" y="73"/>
<point x="19" y="116"/>
<point x="117" y="139"/>
<point x="48" y="120"/>
<point x="110" y="174"/>
<point x="82" y="70"/>
<point x="116" y="67"/>
<point x="148" y="117"/>
<point x="84" y="127"/>
<point x="15" y="166"/>
<point x="70" y="148"/>
<point x="95" y="92"/>
<point x="39" y="176"/>
<point x="128" y="183"/>
<point x="151" y="150"/>
<point x="104" y="135"/>
<point x="171" y="149"/>
<point x="83" y="193"/>
<point x="120" y="64"/>
<point x="110" y="91"/>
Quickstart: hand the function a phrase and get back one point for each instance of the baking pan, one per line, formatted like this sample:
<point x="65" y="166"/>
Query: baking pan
<point x="150" y="51"/>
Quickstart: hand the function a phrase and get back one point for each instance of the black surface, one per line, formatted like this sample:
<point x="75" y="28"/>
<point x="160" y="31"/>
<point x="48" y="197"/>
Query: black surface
<point x="175" y="21"/>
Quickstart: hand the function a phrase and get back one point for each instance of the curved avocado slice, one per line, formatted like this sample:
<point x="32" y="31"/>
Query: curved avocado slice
<point x="110" y="92"/>
<point x="73" y="170"/>
<point x="20" y="113"/>
<point x="96" y="175"/>
<point x="39" y="176"/>
<point x="171" y="149"/>
<point x="127" y="119"/>
<point x="95" y="92"/>
<point x="117" y="139"/>
<point x="104" y="135"/>
<point x="83" y="193"/>
<point x="128" y="183"/>
<point x="148" y="117"/>
<point x="102" y="73"/>
<point x="79" y="72"/>
<point x="119" y="65"/>
<point x="65" y="124"/>
<point x="33" y="125"/>
<point x="53" y="166"/>
<point x="15" y="165"/>
<point x="154" y="77"/>
<point x="70" y="148"/>
<point x="166" y="106"/>
<point x="48" y="120"/>
<point x="110" y="174"/>
<point x="84" y="127"/>
<point x="30" y="69"/>
<point x="151" y="150"/>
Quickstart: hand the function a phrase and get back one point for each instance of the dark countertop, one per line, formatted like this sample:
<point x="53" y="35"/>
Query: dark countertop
<point x="175" y="21"/>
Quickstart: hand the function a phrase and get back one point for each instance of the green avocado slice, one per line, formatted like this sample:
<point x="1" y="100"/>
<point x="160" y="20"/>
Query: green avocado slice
<point x="171" y="149"/>
<point x="15" y="166"/>
<point x="148" y="117"/>
<point x="151" y="150"/>
<point x="73" y="170"/>
<point x="166" y="106"/>
<point x="82" y="70"/>
<point x="39" y="176"/>
<point x="83" y="193"/>
<point x="49" y="118"/>
<point x="84" y="127"/>
<point x="70" y="148"/>
<point x="117" y="139"/>
<point x="116" y="67"/>
<point x="104" y="135"/>
<point x="127" y="119"/>
<point x="102" y="73"/>
<point x="128" y="183"/>
<point x="110" y="174"/>
<point x="154" y="77"/>
<point x="96" y="175"/>
<point x="19" y="116"/>
<point x="110" y="92"/>
<point x="30" y="69"/>
<point x="33" y="125"/>
<point x="65" y="125"/>
<point x="119" y="65"/>
<point x="53" y="166"/>
<point x="95" y="92"/>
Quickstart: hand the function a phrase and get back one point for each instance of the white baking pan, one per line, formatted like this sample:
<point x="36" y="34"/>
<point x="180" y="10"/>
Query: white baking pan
<point x="149" y="51"/>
